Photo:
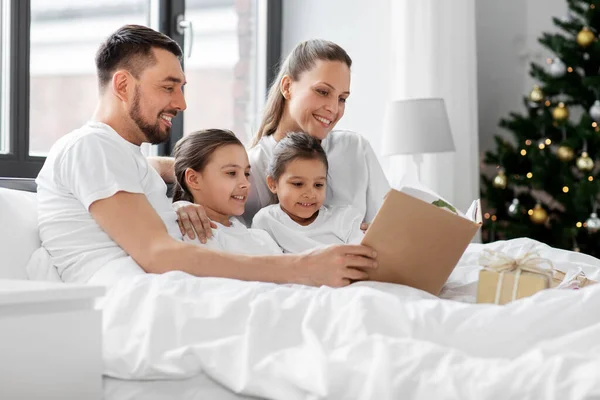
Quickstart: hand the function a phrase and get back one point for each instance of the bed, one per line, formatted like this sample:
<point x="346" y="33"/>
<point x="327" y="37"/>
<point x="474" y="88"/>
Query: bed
<point x="228" y="339"/>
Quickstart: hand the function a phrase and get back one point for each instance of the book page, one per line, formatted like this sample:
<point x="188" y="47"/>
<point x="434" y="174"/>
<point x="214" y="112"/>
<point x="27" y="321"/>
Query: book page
<point x="428" y="196"/>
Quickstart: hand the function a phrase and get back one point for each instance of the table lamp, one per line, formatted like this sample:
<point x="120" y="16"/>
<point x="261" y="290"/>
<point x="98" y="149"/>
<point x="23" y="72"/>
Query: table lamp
<point x="417" y="127"/>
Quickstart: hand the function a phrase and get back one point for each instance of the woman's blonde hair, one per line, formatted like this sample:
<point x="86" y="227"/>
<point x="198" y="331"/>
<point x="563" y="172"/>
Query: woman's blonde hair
<point x="303" y="58"/>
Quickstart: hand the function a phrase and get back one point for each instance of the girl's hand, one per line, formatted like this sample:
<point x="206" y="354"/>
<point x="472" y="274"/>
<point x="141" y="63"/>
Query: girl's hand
<point x="364" y="226"/>
<point x="192" y="220"/>
<point x="335" y="266"/>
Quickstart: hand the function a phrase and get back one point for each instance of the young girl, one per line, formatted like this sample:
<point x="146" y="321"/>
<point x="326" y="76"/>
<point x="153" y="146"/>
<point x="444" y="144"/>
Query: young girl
<point x="297" y="176"/>
<point x="212" y="169"/>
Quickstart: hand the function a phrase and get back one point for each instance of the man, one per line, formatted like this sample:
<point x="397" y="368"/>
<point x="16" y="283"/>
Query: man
<point x="102" y="207"/>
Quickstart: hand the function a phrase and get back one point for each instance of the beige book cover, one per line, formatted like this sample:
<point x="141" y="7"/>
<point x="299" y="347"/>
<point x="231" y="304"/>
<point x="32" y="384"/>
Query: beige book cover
<point x="419" y="238"/>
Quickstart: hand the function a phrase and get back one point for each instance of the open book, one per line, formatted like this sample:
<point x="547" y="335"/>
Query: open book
<point x="473" y="213"/>
<point x="419" y="238"/>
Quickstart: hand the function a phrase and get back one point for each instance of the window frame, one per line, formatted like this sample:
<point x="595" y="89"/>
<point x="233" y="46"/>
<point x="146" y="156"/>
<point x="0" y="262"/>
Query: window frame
<point x="17" y="163"/>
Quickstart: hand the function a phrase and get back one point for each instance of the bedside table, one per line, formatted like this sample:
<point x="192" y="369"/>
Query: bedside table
<point x="50" y="341"/>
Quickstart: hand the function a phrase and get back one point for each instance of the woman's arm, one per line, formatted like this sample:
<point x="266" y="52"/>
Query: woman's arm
<point x="164" y="167"/>
<point x="378" y="184"/>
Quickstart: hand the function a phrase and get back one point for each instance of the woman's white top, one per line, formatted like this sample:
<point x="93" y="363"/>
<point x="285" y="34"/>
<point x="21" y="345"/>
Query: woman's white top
<point x="238" y="239"/>
<point x="355" y="175"/>
<point x="333" y="225"/>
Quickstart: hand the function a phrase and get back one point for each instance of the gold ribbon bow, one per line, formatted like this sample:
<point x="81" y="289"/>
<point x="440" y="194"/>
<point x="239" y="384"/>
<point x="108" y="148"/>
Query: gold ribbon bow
<point x="501" y="263"/>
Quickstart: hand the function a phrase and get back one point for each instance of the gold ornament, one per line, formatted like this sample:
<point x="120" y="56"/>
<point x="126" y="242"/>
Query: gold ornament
<point x="536" y="94"/>
<point x="565" y="153"/>
<point x="585" y="37"/>
<point x="585" y="163"/>
<point x="539" y="215"/>
<point x="560" y="113"/>
<point x="500" y="180"/>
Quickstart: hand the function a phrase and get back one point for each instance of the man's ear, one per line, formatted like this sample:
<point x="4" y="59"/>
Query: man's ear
<point x="271" y="184"/>
<point x="193" y="179"/>
<point x="285" y="85"/>
<point x="122" y="84"/>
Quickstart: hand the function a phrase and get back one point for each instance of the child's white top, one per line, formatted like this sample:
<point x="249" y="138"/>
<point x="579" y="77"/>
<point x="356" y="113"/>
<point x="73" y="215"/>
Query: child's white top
<point x="238" y="239"/>
<point x="355" y="175"/>
<point x="333" y="225"/>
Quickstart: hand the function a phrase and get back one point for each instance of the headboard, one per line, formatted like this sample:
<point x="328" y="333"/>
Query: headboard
<point x="26" y="184"/>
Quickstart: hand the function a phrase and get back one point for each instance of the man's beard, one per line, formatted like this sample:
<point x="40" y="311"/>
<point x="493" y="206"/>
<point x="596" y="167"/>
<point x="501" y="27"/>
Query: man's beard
<point x="152" y="132"/>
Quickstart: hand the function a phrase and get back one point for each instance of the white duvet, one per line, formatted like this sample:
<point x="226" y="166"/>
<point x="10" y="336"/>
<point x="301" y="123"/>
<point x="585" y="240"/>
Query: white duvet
<point x="367" y="341"/>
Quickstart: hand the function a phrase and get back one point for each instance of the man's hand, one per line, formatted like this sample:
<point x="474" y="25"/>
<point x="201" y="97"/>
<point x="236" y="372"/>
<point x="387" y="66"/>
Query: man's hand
<point x="336" y="266"/>
<point x="192" y="219"/>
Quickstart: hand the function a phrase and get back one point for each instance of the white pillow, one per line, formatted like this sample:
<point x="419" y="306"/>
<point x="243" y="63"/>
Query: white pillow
<point x="19" y="236"/>
<point x="40" y="267"/>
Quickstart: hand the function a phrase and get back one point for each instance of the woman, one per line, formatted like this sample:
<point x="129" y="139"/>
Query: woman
<point x="309" y="95"/>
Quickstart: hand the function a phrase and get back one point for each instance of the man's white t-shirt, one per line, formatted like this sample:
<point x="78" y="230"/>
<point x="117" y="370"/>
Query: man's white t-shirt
<point x="238" y="239"/>
<point x="333" y="225"/>
<point x="92" y="163"/>
<point x="355" y="175"/>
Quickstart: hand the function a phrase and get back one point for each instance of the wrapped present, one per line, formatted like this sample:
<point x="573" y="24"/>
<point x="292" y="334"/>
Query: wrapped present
<point x="504" y="279"/>
<point x="573" y="279"/>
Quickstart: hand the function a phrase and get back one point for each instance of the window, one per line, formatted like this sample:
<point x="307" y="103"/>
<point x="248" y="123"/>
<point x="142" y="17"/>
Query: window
<point x="64" y="38"/>
<point x="47" y="57"/>
<point x="220" y="67"/>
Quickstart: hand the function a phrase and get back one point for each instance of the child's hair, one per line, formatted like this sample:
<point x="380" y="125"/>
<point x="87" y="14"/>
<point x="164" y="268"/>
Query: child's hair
<point x="302" y="58"/>
<point x="296" y="145"/>
<point x="194" y="151"/>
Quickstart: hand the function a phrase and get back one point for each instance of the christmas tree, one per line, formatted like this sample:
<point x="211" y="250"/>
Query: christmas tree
<point x="546" y="184"/>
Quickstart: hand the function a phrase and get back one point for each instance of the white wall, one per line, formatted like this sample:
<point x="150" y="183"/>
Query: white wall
<point x="362" y="29"/>
<point x="435" y="56"/>
<point x="507" y="34"/>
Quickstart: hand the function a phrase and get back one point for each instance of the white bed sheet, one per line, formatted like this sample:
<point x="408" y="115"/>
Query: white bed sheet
<point x="369" y="341"/>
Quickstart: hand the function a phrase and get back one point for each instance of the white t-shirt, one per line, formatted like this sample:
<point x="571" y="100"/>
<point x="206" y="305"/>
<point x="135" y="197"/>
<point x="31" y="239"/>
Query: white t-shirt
<point x="333" y="225"/>
<point x="355" y="175"/>
<point x="238" y="239"/>
<point x="92" y="163"/>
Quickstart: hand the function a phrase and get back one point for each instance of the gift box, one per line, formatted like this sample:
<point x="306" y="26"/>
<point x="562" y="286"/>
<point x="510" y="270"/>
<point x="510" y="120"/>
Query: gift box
<point x="578" y="279"/>
<point x="504" y="279"/>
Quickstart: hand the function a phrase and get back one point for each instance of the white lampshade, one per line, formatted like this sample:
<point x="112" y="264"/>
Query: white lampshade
<point x="417" y="126"/>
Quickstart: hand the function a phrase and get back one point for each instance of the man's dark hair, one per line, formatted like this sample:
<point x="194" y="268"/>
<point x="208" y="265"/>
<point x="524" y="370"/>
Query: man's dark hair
<point x="130" y="48"/>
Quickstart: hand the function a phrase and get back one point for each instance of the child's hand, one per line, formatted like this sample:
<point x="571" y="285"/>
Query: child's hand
<point x="364" y="226"/>
<point x="192" y="219"/>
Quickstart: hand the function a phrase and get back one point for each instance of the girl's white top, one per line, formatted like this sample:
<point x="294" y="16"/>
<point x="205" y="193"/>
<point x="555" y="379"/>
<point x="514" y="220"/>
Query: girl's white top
<point x="238" y="239"/>
<point x="333" y="225"/>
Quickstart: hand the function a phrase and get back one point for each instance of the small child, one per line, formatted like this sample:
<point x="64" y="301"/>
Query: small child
<point x="212" y="169"/>
<point x="297" y="175"/>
